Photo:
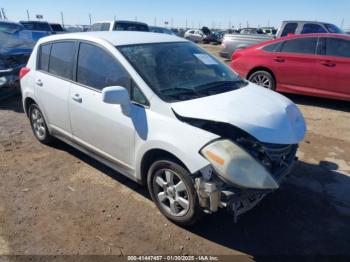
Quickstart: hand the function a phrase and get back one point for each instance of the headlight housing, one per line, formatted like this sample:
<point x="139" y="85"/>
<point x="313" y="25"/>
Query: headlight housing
<point x="237" y="166"/>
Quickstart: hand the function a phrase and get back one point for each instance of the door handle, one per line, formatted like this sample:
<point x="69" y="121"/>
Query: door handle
<point x="328" y="63"/>
<point x="39" y="82"/>
<point x="279" y="59"/>
<point x="77" y="98"/>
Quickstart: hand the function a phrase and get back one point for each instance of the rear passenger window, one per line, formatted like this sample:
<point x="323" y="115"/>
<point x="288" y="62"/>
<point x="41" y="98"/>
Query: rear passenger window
<point x="337" y="47"/>
<point x="61" y="59"/>
<point x="289" y="29"/>
<point x="44" y="57"/>
<point x="98" y="69"/>
<point x="312" y="29"/>
<point x="300" y="46"/>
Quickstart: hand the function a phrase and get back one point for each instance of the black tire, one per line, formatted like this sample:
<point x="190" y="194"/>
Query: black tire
<point x="183" y="218"/>
<point x="37" y="122"/>
<point x="264" y="79"/>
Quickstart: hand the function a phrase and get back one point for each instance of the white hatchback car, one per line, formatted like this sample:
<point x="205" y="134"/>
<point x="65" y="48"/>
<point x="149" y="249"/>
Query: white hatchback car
<point x="163" y="112"/>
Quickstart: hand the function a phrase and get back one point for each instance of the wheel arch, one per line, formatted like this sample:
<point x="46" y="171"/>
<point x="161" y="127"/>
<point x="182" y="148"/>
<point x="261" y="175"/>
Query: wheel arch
<point x="151" y="156"/>
<point x="28" y="101"/>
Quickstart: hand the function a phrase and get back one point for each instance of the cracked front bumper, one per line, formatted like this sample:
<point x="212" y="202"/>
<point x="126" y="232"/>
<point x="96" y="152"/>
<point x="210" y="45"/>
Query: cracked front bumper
<point x="215" y="193"/>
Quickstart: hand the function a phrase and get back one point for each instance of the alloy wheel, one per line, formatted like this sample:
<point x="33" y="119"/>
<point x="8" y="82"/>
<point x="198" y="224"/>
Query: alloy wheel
<point x="38" y="123"/>
<point x="171" y="192"/>
<point x="262" y="80"/>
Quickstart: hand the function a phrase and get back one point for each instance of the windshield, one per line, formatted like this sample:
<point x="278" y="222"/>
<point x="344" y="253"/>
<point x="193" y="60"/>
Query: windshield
<point x="334" y="29"/>
<point x="36" y="26"/>
<point x="125" y="26"/>
<point x="181" y="71"/>
<point x="10" y="28"/>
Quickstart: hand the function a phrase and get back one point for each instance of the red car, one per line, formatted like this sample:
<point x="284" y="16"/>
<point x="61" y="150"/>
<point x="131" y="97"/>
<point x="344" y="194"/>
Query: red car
<point x="314" y="64"/>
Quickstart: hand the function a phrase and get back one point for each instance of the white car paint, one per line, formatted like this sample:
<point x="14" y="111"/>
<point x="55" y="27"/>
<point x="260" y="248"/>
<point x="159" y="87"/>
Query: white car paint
<point x="125" y="137"/>
<point x="264" y="114"/>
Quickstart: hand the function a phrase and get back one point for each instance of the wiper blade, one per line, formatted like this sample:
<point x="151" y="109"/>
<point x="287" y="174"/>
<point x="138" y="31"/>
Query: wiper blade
<point x="177" y="89"/>
<point x="219" y="83"/>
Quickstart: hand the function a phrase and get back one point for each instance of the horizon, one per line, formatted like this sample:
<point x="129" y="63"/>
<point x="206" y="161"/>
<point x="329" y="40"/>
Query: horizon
<point x="194" y="14"/>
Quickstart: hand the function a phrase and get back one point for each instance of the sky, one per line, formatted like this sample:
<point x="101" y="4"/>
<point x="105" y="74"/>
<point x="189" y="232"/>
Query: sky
<point x="197" y="13"/>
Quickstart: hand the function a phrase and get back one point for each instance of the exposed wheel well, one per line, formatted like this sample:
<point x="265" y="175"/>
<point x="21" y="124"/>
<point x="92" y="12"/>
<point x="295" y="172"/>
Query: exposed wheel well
<point x="151" y="156"/>
<point x="261" y="69"/>
<point x="27" y="103"/>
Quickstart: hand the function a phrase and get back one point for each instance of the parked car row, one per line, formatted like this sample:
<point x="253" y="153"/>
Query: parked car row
<point x="15" y="47"/>
<point x="310" y="64"/>
<point x="26" y="33"/>
<point x="232" y="42"/>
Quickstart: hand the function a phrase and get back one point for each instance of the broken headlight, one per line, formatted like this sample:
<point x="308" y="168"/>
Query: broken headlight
<point x="237" y="166"/>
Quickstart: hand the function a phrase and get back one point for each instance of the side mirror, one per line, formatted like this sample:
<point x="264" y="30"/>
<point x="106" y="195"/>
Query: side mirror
<point x="117" y="95"/>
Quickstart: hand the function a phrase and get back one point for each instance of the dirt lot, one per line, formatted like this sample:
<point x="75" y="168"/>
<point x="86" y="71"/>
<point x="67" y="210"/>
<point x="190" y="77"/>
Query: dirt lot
<point x="55" y="200"/>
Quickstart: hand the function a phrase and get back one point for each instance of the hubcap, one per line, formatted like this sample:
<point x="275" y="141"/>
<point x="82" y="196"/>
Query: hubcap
<point x="262" y="80"/>
<point x="171" y="192"/>
<point x="38" y="123"/>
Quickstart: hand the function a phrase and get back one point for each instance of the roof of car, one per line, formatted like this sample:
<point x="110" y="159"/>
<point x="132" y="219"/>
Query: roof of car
<point x="118" y="38"/>
<point x="9" y="22"/>
<point x="120" y="21"/>
<point x="304" y="21"/>
<point x="33" y="21"/>
<point x="314" y="35"/>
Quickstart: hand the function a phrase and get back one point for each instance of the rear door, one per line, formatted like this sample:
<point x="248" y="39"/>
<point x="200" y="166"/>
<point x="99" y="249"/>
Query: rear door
<point x="53" y="80"/>
<point x="294" y="64"/>
<point x="333" y="65"/>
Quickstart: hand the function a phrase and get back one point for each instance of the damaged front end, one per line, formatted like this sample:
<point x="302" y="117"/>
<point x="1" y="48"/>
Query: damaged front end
<point x="243" y="170"/>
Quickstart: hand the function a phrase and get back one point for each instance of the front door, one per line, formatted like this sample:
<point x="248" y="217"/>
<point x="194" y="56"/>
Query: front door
<point x="103" y="128"/>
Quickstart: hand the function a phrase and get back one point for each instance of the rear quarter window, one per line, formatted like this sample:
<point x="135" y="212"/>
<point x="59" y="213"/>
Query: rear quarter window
<point x="44" y="57"/>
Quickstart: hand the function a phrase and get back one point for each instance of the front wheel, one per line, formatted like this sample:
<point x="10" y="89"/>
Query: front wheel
<point x="172" y="190"/>
<point x="264" y="79"/>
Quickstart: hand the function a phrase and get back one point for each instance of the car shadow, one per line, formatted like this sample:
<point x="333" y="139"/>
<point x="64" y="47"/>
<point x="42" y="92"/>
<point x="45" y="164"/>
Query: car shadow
<point x="338" y="105"/>
<point x="57" y="144"/>
<point x="308" y="215"/>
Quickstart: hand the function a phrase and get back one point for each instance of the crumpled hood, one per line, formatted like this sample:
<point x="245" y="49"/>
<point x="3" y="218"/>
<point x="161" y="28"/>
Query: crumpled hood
<point x="264" y="114"/>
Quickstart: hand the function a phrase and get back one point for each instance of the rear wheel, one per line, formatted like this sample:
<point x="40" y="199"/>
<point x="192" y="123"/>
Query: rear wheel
<point x="38" y="125"/>
<point x="264" y="79"/>
<point x="172" y="190"/>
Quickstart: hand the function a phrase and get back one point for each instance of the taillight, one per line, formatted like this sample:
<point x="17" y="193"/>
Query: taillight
<point x="23" y="72"/>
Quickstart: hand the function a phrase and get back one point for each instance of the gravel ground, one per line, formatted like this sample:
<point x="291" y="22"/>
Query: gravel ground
<point x="55" y="200"/>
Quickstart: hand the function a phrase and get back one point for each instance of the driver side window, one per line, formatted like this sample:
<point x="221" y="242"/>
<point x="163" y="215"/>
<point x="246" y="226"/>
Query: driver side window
<point x="98" y="69"/>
